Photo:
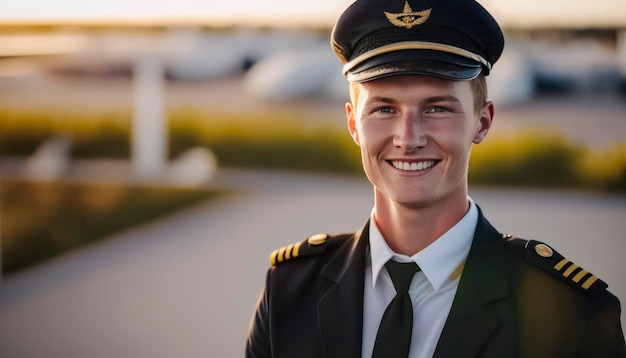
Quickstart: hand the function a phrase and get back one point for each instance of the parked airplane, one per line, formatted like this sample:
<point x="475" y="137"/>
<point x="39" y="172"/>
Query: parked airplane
<point x="285" y="64"/>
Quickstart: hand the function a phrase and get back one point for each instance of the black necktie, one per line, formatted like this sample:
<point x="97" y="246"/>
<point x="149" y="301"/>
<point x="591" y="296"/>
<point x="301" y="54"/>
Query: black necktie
<point x="394" y="333"/>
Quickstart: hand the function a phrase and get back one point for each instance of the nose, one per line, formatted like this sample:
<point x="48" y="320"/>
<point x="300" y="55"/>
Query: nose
<point x="410" y="134"/>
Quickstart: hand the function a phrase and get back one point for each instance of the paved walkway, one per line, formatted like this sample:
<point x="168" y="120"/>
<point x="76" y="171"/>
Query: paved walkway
<point x="186" y="285"/>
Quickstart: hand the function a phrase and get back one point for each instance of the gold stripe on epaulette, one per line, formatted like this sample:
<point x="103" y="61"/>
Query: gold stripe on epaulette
<point x="296" y="249"/>
<point x="589" y="282"/>
<point x="288" y="252"/>
<point x="560" y="265"/>
<point x="570" y="269"/>
<point x="273" y="257"/>
<point x="281" y="255"/>
<point x="285" y="254"/>
<point x="579" y="276"/>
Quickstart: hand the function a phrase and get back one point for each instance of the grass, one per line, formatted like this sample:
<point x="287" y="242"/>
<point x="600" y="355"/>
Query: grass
<point x="41" y="220"/>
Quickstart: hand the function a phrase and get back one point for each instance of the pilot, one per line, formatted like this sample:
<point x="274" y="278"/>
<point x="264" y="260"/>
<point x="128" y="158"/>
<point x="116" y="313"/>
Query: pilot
<point x="427" y="275"/>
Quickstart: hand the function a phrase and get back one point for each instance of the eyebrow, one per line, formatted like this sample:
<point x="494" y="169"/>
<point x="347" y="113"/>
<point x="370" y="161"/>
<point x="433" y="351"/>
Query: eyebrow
<point x="381" y="99"/>
<point x="445" y="98"/>
<point x="429" y="100"/>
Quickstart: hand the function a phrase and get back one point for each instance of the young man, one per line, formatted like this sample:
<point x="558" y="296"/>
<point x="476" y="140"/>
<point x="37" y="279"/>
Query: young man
<point x="427" y="276"/>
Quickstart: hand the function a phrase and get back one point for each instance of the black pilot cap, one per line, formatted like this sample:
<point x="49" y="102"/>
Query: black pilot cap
<point x="452" y="39"/>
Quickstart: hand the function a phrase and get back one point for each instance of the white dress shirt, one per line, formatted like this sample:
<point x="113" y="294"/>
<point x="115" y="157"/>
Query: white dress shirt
<point x="432" y="289"/>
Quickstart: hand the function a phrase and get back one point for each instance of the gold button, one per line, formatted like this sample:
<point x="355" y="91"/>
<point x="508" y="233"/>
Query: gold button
<point x="507" y="237"/>
<point x="543" y="250"/>
<point x="317" y="239"/>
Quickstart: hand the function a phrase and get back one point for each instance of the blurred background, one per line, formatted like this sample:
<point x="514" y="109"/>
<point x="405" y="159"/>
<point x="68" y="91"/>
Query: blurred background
<point x="153" y="155"/>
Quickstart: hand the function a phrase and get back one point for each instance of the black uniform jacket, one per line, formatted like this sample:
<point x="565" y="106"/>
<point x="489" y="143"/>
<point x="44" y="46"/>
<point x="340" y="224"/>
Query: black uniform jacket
<point x="516" y="298"/>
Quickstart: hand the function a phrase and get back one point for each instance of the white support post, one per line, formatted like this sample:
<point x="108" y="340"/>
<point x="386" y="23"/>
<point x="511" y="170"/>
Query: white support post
<point x="149" y="130"/>
<point x="621" y="51"/>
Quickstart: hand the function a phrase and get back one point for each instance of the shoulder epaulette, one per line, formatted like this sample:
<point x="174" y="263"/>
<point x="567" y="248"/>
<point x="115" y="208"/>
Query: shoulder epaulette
<point x="314" y="245"/>
<point x="548" y="259"/>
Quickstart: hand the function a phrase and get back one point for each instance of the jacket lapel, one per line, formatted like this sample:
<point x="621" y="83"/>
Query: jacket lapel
<point x="340" y="310"/>
<point x="475" y="314"/>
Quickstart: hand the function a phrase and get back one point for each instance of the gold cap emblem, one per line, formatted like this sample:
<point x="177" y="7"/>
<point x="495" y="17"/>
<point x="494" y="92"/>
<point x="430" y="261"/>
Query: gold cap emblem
<point x="543" y="250"/>
<point x="408" y="18"/>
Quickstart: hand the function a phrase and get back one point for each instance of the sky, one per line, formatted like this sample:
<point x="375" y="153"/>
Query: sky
<point x="519" y="13"/>
<point x="220" y="11"/>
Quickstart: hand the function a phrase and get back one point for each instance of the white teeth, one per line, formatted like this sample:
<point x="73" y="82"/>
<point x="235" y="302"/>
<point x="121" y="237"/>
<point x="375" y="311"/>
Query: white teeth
<point x="413" y="166"/>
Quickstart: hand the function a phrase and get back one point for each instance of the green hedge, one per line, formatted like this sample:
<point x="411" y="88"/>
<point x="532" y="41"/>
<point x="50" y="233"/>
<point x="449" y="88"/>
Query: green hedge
<point x="605" y="169"/>
<point x="539" y="159"/>
<point x="531" y="158"/>
<point x="278" y="141"/>
<point x="94" y="135"/>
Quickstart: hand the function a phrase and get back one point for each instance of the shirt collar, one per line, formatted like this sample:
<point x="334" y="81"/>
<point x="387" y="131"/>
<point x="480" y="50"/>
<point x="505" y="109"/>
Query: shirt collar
<point x="437" y="261"/>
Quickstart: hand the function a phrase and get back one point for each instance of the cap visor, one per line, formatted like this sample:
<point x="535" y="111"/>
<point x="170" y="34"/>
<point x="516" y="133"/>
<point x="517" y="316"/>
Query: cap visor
<point x="420" y="62"/>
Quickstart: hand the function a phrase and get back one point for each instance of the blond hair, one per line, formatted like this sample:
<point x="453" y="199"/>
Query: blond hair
<point x="478" y="86"/>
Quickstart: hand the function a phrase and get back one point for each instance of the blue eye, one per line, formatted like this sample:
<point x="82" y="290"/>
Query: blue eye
<point x="437" y="109"/>
<point x="385" y="110"/>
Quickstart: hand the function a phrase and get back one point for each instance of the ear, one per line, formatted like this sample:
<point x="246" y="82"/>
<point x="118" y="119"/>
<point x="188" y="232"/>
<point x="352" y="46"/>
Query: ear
<point x="484" y="122"/>
<point x="350" y="115"/>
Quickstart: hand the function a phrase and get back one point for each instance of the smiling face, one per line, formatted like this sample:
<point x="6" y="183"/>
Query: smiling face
<point x="415" y="135"/>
